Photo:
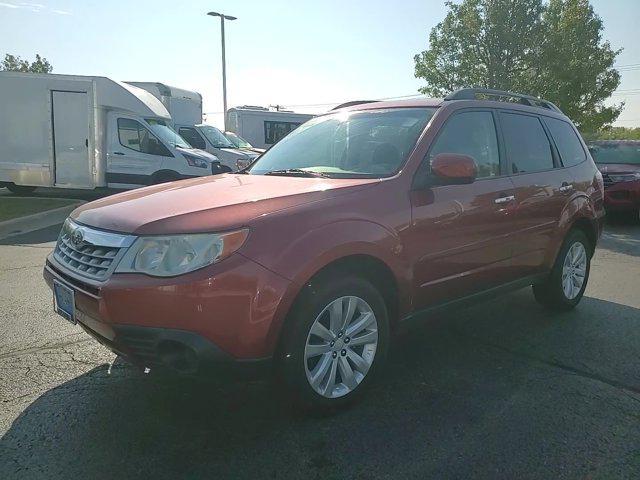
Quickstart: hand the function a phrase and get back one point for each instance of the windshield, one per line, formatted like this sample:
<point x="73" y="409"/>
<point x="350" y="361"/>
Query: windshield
<point x="372" y="143"/>
<point x="616" y="153"/>
<point x="215" y="136"/>
<point x="166" y="133"/>
<point x="237" y="141"/>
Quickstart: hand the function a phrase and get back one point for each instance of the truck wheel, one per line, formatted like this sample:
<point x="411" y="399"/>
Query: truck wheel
<point x="336" y="342"/>
<point x="20" y="189"/>
<point x="564" y="287"/>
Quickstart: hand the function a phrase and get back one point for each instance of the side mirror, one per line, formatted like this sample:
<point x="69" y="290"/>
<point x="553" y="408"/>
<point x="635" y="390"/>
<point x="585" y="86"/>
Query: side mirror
<point x="453" y="169"/>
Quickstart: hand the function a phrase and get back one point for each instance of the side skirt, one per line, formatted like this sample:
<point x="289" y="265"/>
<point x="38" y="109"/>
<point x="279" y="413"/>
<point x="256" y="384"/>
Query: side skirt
<point x="420" y="316"/>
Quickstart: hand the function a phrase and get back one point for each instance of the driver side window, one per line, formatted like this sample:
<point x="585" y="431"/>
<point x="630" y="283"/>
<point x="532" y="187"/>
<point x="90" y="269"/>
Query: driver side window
<point x="132" y="134"/>
<point x="472" y="134"/>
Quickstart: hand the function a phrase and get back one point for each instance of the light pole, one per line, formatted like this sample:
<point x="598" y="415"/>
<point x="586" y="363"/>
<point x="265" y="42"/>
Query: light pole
<point x="223" y="17"/>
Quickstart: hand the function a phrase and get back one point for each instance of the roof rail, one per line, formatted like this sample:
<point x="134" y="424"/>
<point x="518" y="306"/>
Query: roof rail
<point x="472" y="94"/>
<point x="352" y="103"/>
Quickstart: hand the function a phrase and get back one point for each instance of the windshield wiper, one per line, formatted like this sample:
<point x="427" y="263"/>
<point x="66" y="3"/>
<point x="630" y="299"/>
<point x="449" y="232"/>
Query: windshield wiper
<point x="297" y="171"/>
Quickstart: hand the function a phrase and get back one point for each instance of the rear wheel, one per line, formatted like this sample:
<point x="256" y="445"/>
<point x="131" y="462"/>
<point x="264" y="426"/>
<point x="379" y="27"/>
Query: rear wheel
<point x="336" y="343"/>
<point x="20" y="189"/>
<point x="565" y="286"/>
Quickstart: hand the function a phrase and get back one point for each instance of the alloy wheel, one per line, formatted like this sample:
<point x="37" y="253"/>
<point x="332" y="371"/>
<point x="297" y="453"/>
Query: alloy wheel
<point x="341" y="346"/>
<point x="574" y="270"/>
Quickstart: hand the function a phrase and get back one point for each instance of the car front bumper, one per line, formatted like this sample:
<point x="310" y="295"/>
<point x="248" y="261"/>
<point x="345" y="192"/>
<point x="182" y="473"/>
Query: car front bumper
<point x="226" y="315"/>
<point x="622" y="196"/>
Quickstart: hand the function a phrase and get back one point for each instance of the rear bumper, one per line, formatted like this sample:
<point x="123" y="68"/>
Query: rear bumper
<point x="224" y="316"/>
<point x="623" y="196"/>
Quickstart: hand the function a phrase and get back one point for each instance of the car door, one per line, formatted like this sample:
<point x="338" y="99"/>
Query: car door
<point x="134" y="153"/>
<point x="460" y="238"/>
<point x="542" y="188"/>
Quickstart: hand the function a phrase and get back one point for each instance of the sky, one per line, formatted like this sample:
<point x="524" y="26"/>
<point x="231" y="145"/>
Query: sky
<point x="304" y="55"/>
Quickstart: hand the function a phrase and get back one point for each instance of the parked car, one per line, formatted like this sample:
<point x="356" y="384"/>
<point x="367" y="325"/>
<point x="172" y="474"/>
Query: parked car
<point x="212" y="140"/>
<point x="72" y="131"/>
<point x="619" y="162"/>
<point x="357" y="223"/>
<point x="241" y="143"/>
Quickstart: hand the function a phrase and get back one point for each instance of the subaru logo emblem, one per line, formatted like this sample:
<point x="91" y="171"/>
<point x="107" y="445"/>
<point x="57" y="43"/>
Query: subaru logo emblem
<point x="77" y="237"/>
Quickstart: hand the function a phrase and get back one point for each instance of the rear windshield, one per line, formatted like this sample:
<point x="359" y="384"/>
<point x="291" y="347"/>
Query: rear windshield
<point x="372" y="143"/>
<point x="616" y="153"/>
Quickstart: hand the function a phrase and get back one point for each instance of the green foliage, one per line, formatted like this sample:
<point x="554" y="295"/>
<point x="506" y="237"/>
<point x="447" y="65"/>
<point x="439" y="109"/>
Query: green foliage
<point x="552" y="50"/>
<point x="615" y="133"/>
<point x="13" y="63"/>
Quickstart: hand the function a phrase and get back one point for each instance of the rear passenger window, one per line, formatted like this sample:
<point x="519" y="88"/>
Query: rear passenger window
<point x="473" y="134"/>
<point x="526" y="142"/>
<point x="567" y="141"/>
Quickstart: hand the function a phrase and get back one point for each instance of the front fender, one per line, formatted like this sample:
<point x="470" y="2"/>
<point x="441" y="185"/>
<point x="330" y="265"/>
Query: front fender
<point x="313" y="250"/>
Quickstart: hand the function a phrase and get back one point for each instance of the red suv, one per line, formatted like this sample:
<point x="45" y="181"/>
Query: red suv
<point x="358" y="221"/>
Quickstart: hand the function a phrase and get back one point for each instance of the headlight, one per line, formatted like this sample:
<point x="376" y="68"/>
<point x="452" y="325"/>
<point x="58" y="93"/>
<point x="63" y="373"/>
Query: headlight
<point x="196" y="161"/>
<point x="171" y="255"/>
<point x="624" y="177"/>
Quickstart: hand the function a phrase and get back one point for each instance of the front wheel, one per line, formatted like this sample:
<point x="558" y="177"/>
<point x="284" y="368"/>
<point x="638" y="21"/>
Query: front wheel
<point x="565" y="286"/>
<point x="337" y="341"/>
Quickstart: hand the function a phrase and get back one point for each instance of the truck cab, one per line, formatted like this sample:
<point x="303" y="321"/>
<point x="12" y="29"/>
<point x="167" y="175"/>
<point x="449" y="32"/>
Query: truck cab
<point x="213" y="141"/>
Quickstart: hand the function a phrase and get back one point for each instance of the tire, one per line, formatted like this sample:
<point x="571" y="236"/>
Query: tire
<point x="554" y="293"/>
<point x="298" y="360"/>
<point x="20" y="189"/>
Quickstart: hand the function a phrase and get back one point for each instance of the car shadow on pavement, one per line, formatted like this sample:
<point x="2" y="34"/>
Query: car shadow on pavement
<point x="501" y="390"/>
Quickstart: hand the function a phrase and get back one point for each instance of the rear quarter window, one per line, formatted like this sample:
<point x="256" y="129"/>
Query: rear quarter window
<point x="567" y="142"/>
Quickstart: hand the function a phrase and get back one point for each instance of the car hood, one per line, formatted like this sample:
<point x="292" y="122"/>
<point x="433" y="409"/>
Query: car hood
<point x="208" y="204"/>
<point x="197" y="153"/>
<point x="239" y="153"/>
<point x="618" y="167"/>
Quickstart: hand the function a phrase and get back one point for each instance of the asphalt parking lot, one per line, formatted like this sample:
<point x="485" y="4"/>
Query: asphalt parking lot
<point x="501" y="390"/>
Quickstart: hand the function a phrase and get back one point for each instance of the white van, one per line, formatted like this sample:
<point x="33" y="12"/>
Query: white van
<point x="185" y="108"/>
<point x="85" y="132"/>
<point x="212" y="140"/>
<point x="262" y="127"/>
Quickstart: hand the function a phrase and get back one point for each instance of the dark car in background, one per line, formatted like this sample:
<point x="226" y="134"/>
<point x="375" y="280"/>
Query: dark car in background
<point x="619" y="163"/>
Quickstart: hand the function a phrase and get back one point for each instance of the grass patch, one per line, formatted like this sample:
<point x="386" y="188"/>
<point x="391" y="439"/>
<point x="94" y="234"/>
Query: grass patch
<point x="13" y="207"/>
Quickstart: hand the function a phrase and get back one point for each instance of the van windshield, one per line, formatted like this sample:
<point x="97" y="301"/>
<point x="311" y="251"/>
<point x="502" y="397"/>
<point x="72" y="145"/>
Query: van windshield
<point x="237" y="140"/>
<point x="215" y="136"/>
<point x="166" y="133"/>
<point x="373" y="143"/>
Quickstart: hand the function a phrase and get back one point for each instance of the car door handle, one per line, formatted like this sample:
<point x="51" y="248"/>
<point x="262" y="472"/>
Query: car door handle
<point x="503" y="200"/>
<point x="566" y="187"/>
<point x="118" y="153"/>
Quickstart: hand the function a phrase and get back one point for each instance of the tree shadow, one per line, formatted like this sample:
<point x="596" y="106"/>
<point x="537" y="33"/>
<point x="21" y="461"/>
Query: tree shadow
<point x="480" y="393"/>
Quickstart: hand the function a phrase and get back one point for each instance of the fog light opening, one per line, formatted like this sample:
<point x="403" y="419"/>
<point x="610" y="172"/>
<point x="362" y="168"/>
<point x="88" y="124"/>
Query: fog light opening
<point x="178" y="356"/>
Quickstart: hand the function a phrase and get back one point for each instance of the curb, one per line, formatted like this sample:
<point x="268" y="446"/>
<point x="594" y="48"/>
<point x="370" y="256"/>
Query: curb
<point x="36" y="221"/>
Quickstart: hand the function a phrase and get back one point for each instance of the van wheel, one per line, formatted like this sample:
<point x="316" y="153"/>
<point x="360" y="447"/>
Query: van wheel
<point x="20" y="189"/>
<point x="337" y="342"/>
<point x="565" y="286"/>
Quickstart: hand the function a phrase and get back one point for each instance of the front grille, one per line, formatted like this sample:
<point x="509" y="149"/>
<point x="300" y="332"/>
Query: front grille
<point x="606" y="179"/>
<point x="89" y="252"/>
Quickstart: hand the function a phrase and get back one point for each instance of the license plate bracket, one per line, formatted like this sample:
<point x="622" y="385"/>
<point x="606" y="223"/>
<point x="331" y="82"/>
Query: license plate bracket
<point x="64" y="301"/>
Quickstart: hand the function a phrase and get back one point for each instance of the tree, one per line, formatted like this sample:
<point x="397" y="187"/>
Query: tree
<point x="552" y="50"/>
<point x="14" y="63"/>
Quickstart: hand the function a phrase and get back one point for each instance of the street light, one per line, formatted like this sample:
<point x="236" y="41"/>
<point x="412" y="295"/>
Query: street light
<point x="223" y="17"/>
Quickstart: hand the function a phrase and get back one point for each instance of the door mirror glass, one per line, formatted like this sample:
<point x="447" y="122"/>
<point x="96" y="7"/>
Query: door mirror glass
<point x="453" y="169"/>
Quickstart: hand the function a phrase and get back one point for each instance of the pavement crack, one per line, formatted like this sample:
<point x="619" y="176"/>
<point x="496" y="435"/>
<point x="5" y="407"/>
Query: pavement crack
<point x="553" y="363"/>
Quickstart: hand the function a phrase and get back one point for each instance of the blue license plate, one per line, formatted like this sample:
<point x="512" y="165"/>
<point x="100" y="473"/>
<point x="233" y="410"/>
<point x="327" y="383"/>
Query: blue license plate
<point x="64" y="301"/>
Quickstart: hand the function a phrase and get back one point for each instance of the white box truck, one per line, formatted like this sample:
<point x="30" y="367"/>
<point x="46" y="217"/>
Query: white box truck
<point x="262" y="127"/>
<point x="85" y="132"/>
<point x="185" y="108"/>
